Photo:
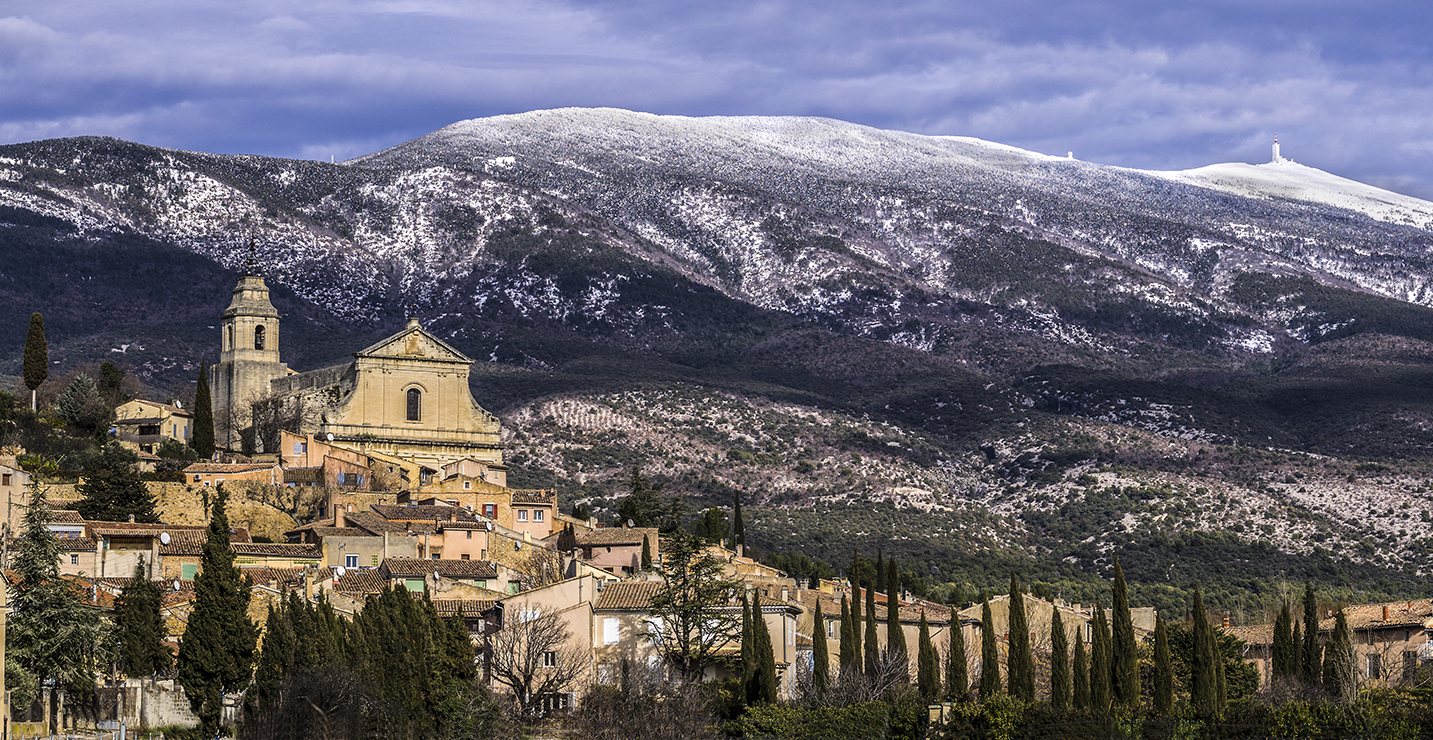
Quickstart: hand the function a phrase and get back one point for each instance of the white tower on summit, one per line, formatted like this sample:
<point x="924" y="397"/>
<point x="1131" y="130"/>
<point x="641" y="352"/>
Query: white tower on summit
<point x="1277" y="159"/>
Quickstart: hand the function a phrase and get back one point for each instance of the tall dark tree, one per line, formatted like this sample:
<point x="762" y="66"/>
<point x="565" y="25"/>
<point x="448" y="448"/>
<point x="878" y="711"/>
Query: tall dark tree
<point x="895" y="636"/>
<point x="957" y="670"/>
<point x="1100" y="662"/>
<point x="1080" y="695"/>
<point x="82" y="406"/>
<point x="820" y="654"/>
<point x="1311" y="655"/>
<point x="869" y="644"/>
<point x="646" y="553"/>
<point x="927" y="664"/>
<point x="1059" y="663"/>
<point x="218" y="646"/>
<point x="1282" y="655"/>
<point x="37" y="356"/>
<point x="642" y="505"/>
<point x="1163" y="668"/>
<point x="850" y="655"/>
<point x="765" y="687"/>
<point x="880" y="570"/>
<point x="112" y="491"/>
<point x="738" y="526"/>
<point x="1021" y="663"/>
<point x="858" y="624"/>
<point x="276" y="659"/>
<point x="1124" y="664"/>
<point x="748" y="652"/>
<point x="141" y="626"/>
<point x="111" y="384"/>
<point x="1203" y="688"/>
<point x="692" y="598"/>
<point x="202" y="440"/>
<point x="1295" y="650"/>
<point x="1338" y="667"/>
<point x="989" y="655"/>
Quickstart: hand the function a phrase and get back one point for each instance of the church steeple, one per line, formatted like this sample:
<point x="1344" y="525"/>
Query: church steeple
<point x="248" y="358"/>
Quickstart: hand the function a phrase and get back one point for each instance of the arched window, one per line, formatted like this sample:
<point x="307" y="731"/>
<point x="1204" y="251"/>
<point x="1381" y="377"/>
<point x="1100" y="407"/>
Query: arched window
<point x="259" y="337"/>
<point x="415" y="404"/>
<point x="231" y="337"/>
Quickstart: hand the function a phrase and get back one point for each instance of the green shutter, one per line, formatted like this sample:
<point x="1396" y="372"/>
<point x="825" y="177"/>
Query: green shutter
<point x="414" y="584"/>
<point x="188" y="571"/>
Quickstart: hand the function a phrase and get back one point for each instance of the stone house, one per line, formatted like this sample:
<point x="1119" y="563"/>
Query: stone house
<point x="145" y="425"/>
<point x="617" y="550"/>
<point x="213" y="474"/>
<point x="1390" y="641"/>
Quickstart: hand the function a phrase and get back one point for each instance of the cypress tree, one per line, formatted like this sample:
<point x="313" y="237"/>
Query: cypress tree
<point x="870" y="644"/>
<point x="1338" y="670"/>
<point x="1059" y="663"/>
<point x="141" y="626"/>
<point x="112" y="490"/>
<point x="857" y="624"/>
<point x="880" y="571"/>
<point x="37" y="356"/>
<point x="1203" y="688"/>
<point x="1100" y="663"/>
<point x="957" y="678"/>
<point x="765" y="687"/>
<point x="1295" y="652"/>
<point x="1283" y="639"/>
<point x="748" y="652"/>
<point x="1021" y="663"/>
<point x="1124" y="668"/>
<point x="820" y="658"/>
<point x="895" y="636"/>
<point x="276" y="658"/>
<point x="1163" y="668"/>
<point x="850" y="655"/>
<point x="989" y="655"/>
<point x="738" y="527"/>
<point x="927" y="665"/>
<point x="218" y="645"/>
<point x="1080" y="696"/>
<point x="1310" y="657"/>
<point x="202" y="440"/>
<point x="646" y="553"/>
<point x="1221" y="689"/>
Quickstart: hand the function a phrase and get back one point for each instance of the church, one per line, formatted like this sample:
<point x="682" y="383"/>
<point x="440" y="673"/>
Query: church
<point x="406" y="396"/>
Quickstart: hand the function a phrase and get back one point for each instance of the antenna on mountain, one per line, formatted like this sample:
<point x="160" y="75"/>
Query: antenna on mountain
<point x="1277" y="159"/>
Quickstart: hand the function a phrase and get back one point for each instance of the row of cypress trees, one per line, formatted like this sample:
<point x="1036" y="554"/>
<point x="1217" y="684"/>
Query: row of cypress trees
<point x="1299" y="659"/>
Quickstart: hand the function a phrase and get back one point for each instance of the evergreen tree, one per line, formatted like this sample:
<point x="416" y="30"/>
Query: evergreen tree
<point x="989" y="655"/>
<point x="738" y="527"/>
<point x="642" y="506"/>
<point x="1338" y="667"/>
<point x="820" y="657"/>
<point x="202" y="440"/>
<point x="83" y="408"/>
<point x="1295" y="650"/>
<point x="52" y="631"/>
<point x="1100" y="662"/>
<point x="857" y="623"/>
<point x="276" y="658"/>
<point x="1280" y="653"/>
<point x="567" y="539"/>
<point x="748" y="652"/>
<point x="1221" y="687"/>
<point x="871" y="646"/>
<point x="1021" y="662"/>
<point x="1163" y="668"/>
<point x="880" y="570"/>
<point x="1310" y="656"/>
<point x="218" y="645"/>
<point x="1080" y="696"/>
<point x="927" y="664"/>
<point x="1124" y="664"/>
<point x="646" y="553"/>
<point x="141" y="626"/>
<point x="111" y="384"/>
<point x="765" y="679"/>
<point x="850" y="656"/>
<point x="895" y="636"/>
<point x="957" y="678"/>
<point x="1059" y="663"/>
<point x="1203" y="688"/>
<point x="37" y="356"/>
<point x="112" y="490"/>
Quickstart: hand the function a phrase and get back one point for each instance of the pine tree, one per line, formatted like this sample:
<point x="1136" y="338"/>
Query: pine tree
<point x="1080" y="696"/>
<point x="1059" y="663"/>
<point x="1203" y="688"/>
<point x="141" y="626"/>
<point x="765" y="681"/>
<point x="37" y="356"/>
<point x="218" y="645"/>
<point x="1310" y="666"/>
<point x="957" y="671"/>
<point x="646" y="553"/>
<point x="748" y="652"/>
<point x="850" y="655"/>
<point x="1163" y="668"/>
<point x="1021" y="663"/>
<point x="112" y="490"/>
<point x="1338" y="668"/>
<point x="871" y="646"/>
<point x="202" y="440"/>
<point x="989" y="655"/>
<point x="1124" y="666"/>
<point x="1283" y="639"/>
<point x="83" y="408"/>
<point x="1100" y="662"/>
<point x="895" y="636"/>
<point x="820" y="658"/>
<point x="738" y="527"/>
<point x="927" y="664"/>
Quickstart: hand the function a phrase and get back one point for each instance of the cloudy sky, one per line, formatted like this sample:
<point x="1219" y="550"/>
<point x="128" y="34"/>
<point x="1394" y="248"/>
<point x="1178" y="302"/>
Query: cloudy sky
<point x="1345" y="84"/>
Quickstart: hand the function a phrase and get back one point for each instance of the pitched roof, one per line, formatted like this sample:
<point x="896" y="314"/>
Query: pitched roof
<point x="423" y="513"/>
<point x="65" y="516"/>
<point x="615" y="536"/>
<point x="411" y="327"/>
<point x="361" y="580"/>
<point x="463" y="607"/>
<point x="1253" y="634"/>
<point x="627" y="595"/>
<point x="407" y="567"/>
<point x="531" y="497"/>
<point x="165" y="406"/>
<point x="313" y="552"/>
<point x="221" y="468"/>
<point x="378" y="525"/>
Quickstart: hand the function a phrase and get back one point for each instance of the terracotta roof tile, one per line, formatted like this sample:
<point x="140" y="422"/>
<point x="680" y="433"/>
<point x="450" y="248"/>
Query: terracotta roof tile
<point x="406" y="567"/>
<point x="616" y="536"/>
<point x="1253" y="634"/>
<point x="362" y="581"/>
<point x="627" y="595"/>
<point x="463" y="607"/>
<point x="65" y="516"/>
<point x="313" y="552"/>
<point x="423" y="513"/>
<point x="532" y="497"/>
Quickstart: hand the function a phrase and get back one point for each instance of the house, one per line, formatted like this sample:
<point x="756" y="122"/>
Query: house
<point x="617" y="550"/>
<point x="145" y="425"/>
<point x="416" y="574"/>
<point x="213" y="474"/>
<point x="1390" y="641"/>
<point x="14" y="488"/>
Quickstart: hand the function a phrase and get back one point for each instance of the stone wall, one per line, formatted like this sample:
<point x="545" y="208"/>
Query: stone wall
<point x="180" y="503"/>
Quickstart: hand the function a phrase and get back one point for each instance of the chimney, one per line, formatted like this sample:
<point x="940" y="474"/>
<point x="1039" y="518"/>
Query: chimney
<point x="1385" y="612"/>
<point x="339" y="520"/>
<point x="785" y="595"/>
<point x="1226" y="620"/>
<point x="131" y="519"/>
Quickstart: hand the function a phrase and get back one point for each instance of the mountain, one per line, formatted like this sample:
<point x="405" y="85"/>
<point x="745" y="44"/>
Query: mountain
<point x="872" y="333"/>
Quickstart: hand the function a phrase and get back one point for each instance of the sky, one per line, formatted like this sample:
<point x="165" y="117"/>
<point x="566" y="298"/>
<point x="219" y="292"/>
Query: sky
<point x="1155" y="85"/>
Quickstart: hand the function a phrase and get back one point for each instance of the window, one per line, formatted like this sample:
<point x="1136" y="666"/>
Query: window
<point x="1375" y="666"/>
<point x="5" y="479"/>
<point x="188" y="571"/>
<point x="527" y="615"/>
<point x="467" y="485"/>
<point x="549" y="659"/>
<point x="522" y="515"/>
<point x="514" y="587"/>
<point x="231" y="337"/>
<point x="831" y="628"/>
<point x="299" y="447"/>
<point x="414" y="584"/>
<point x="198" y="477"/>
<point x="607" y="673"/>
<point x="481" y="584"/>
<point x="469" y="534"/>
<point x="350" y="561"/>
<point x="415" y="404"/>
<point x="435" y="556"/>
<point x="74" y="558"/>
<point x="537" y="515"/>
<point x="611" y="631"/>
<point x="1410" y="665"/>
<point x="465" y="556"/>
<point x="490" y="510"/>
<point x="259" y="337"/>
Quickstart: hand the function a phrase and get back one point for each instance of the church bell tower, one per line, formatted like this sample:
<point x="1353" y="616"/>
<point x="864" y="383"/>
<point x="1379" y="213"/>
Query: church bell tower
<point x="248" y="358"/>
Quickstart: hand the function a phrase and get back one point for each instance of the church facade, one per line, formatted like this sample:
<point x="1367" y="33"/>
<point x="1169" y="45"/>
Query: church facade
<point x="405" y="396"/>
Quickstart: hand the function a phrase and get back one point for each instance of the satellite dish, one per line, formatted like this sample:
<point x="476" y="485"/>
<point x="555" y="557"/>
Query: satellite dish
<point x="163" y="538"/>
<point x="176" y="585"/>
<point x="517" y="545"/>
<point x="330" y="436"/>
<point x="489" y="526"/>
<point x="630" y="524"/>
<point x="340" y="571"/>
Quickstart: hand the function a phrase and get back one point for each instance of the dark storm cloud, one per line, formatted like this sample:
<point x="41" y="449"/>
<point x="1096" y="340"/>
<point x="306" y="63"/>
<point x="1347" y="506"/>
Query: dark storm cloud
<point x="1161" y="85"/>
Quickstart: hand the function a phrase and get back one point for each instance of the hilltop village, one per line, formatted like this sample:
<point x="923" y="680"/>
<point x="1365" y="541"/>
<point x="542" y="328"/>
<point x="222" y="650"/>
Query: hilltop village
<point x="336" y="491"/>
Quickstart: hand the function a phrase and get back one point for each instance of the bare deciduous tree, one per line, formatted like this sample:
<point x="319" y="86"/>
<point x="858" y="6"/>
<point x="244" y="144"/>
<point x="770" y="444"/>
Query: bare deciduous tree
<point x="271" y="414"/>
<point x="533" y="656"/>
